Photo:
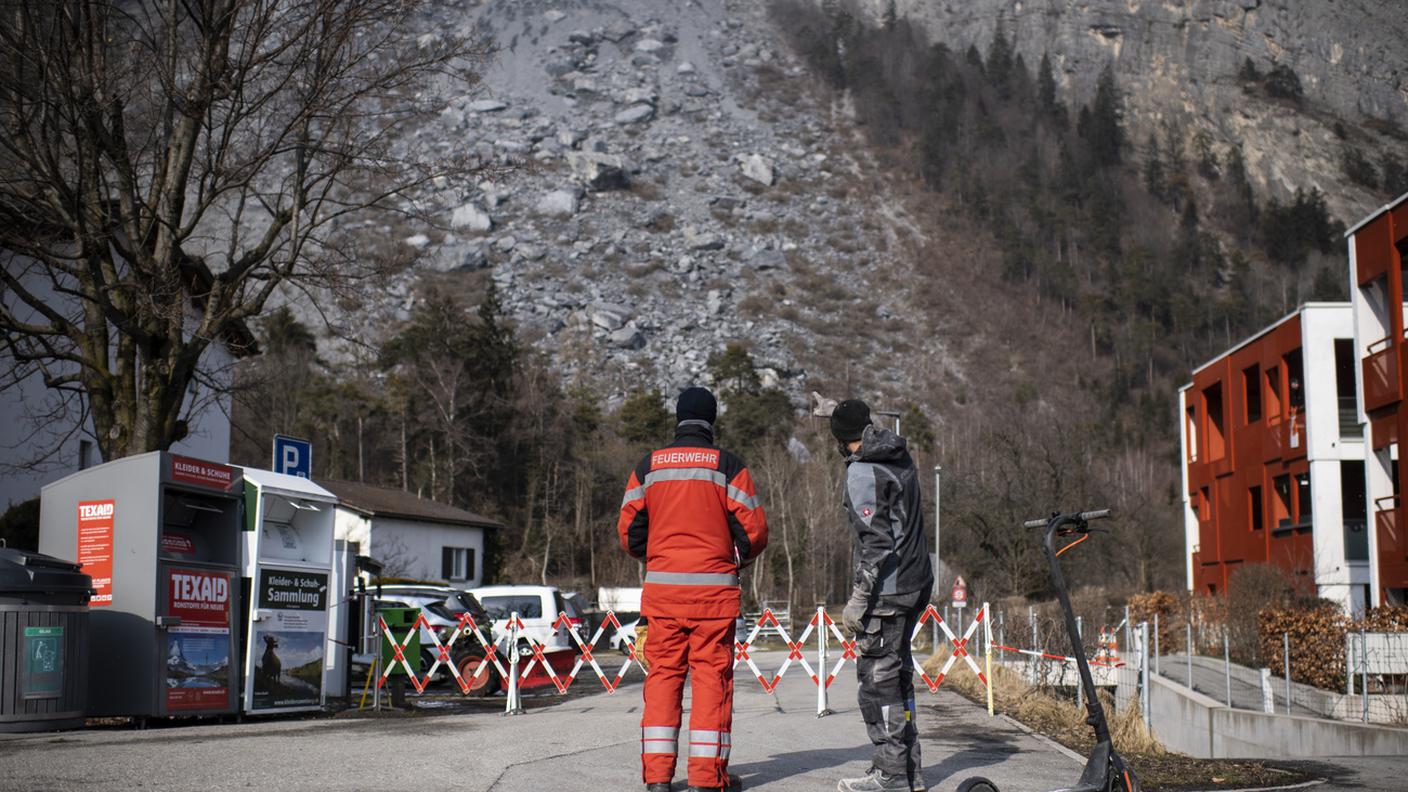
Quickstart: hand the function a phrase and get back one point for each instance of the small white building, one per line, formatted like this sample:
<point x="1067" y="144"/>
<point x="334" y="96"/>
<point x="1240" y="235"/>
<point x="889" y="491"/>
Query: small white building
<point x="411" y="536"/>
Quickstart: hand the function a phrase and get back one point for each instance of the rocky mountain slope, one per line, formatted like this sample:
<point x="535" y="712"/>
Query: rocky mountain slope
<point x="669" y="185"/>
<point x="671" y="180"/>
<point x="1179" y="64"/>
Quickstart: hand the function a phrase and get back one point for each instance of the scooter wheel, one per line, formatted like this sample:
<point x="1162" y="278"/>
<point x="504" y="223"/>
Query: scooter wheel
<point x="977" y="784"/>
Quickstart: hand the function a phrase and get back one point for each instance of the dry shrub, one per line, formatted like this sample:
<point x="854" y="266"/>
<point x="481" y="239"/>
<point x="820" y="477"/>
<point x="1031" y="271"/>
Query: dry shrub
<point x="1169" y="609"/>
<point x="1393" y="618"/>
<point x="1317" y="642"/>
<point x="1051" y="715"/>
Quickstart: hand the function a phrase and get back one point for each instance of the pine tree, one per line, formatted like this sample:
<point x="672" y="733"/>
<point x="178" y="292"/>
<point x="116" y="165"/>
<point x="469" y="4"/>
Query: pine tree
<point x="1208" y="165"/>
<point x="1103" y="132"/>
<point x="999" y="62"/>
<point x="644" y="419"/>
<point x="1046" y="85"/>
<point x="1154" y="180"/>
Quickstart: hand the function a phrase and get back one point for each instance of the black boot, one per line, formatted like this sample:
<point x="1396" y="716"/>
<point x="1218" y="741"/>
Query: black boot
<point x="661" y="786"/>
<point x="734" y="785"/>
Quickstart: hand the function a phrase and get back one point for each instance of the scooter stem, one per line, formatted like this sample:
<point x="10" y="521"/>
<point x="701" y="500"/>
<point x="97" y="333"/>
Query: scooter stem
<point x="1095" y="714"/>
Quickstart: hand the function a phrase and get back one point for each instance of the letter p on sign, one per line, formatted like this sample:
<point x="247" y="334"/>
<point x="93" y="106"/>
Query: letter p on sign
<point x="292" y="456"/>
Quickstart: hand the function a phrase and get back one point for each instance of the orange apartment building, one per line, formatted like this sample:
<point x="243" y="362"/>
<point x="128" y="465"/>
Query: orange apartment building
<point x="1377" y="248"/>
<point x="1273" y="459"/>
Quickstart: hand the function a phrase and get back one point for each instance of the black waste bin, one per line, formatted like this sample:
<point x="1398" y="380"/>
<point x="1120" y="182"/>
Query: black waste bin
<point x="43" y="642"/>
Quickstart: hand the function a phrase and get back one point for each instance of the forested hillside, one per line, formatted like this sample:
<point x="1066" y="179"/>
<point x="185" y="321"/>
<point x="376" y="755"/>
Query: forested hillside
<point x="954" y="235"/>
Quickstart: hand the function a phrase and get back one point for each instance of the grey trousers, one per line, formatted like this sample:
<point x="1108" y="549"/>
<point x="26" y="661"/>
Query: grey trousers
<point x="886" y="673"/>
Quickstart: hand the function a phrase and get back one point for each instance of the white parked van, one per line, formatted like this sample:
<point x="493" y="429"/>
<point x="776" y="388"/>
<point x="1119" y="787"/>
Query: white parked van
<point x="538" y="607"/>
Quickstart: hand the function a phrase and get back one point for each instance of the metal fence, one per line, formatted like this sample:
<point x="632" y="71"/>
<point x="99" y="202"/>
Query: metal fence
<point x="1123" y="654"/>
<point x="1375" y="681"/>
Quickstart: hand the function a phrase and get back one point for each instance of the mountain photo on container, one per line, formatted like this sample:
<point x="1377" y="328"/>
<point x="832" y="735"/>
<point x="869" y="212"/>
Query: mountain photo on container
<point x="289" y="669"/>
<point x="197" y="670"/>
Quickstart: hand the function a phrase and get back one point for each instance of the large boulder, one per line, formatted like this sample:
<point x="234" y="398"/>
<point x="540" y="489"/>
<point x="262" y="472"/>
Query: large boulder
<point x="697" y="239"/>
<point x="626" y="338"/>
<point x="486" y="106"/>
<point x="598" y="172"/>
<point x="636" y="114"/>
<point x="609" y="316"/>
<point x="758" y="168"/>
<point x="558" y="203"/>
<point x="469" y="217"/>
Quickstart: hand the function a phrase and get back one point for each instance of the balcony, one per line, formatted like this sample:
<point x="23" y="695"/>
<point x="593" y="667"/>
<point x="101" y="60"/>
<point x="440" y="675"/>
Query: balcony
<point x="1381" y="385"/>
<point x="1393" y="547"/>
<point x="1393" y="544"/>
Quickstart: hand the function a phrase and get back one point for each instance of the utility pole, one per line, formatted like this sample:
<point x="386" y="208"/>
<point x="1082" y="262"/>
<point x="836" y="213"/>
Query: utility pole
<point x="937" y="513"/>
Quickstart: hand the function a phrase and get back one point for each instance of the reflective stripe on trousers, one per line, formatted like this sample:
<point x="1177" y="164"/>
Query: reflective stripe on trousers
<point x="659" y="740"/>
<point x="706" y="744"/>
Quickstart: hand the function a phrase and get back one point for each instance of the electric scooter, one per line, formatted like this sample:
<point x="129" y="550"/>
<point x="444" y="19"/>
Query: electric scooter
<point x="1105" y="771"/>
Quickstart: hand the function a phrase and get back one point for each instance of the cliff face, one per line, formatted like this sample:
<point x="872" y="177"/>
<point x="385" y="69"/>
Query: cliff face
<point x="1178" y="63"/>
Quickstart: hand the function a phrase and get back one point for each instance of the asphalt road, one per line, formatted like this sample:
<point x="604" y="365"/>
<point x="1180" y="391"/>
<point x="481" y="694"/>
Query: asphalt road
<point x="585" y="741"/>
<point x="582" y="742"/>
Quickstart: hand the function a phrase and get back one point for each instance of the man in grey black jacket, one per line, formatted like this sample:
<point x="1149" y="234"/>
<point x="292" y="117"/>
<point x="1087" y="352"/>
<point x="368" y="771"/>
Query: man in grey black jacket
<point x="893" y="580"/>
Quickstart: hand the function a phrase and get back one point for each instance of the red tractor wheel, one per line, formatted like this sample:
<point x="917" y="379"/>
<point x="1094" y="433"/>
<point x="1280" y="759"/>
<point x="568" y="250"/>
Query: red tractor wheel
<point x="486" y="684"/>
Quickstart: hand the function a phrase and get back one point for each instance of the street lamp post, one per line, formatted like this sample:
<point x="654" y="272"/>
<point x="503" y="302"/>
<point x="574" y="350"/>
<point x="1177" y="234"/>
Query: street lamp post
<point x="938" y="493"/>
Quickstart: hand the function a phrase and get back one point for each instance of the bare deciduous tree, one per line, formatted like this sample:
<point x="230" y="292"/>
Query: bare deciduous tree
<point x="167" y="166"/>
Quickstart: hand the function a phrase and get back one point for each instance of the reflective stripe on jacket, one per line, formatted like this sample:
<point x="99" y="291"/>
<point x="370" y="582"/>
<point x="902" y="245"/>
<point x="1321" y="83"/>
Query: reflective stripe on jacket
<point x="692" y="513"/>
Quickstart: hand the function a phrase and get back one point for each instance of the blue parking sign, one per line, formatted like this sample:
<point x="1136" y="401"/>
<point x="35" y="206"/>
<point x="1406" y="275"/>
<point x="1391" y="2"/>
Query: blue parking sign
<point x="292" y="456"/>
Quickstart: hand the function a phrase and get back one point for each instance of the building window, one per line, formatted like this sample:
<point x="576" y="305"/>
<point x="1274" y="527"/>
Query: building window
<point x="1192" y="434"/>
<point x="1216" y="433"/>
<point x="1273" y="394"/>
<point x="1356" y="511"/>
<point x="1295" y="381"/>
<point x="1345" y="389"/>
<point x="1305" y="508"/>
<point x="1251" y="393"/>
<point x="457" y="563"/>
<point x="1281" y="503"/>
<point x="1258" y="519"/>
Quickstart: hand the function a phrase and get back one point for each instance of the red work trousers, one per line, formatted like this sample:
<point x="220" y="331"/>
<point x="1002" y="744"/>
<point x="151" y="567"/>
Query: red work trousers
<point x="704" y="649"/>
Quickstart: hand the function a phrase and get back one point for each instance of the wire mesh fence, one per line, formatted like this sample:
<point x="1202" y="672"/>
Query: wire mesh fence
<point x="1373" y="683"/>
<point x="1371" y="668"/>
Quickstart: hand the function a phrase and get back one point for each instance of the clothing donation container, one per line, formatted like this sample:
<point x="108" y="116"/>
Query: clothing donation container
<point x="286" y="565"/>
<point x="160" y="535"/>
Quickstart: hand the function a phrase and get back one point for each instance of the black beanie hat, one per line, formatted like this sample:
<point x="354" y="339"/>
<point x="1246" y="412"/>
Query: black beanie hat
<point x="696" y="404"/>
<point x="849" y="419"/>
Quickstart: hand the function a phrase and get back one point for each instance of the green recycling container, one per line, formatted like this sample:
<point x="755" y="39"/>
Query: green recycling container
<point x="43" y="642"/>
<point x="400" y="621"/>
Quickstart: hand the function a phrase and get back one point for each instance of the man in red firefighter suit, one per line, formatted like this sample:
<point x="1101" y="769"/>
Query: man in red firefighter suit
<point x="691" y="513"/>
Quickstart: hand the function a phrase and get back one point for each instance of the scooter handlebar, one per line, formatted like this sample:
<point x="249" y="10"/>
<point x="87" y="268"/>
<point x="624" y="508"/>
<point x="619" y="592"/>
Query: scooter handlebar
<point x="1098" y="514"/>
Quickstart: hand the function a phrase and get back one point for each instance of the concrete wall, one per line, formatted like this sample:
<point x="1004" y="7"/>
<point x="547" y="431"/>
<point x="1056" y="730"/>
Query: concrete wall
<point x="1189" y="722"/>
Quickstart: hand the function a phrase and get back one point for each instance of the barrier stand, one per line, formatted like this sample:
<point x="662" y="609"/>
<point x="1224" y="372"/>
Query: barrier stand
<point x="376" y="697"/>
<point x="960" y="647"/>
<point x="586" y="657"/>
<point x="513" y="706"/>
<point x="398" y="651"/>
<point x="987" y="652"/>
<point x="823" y="706"/>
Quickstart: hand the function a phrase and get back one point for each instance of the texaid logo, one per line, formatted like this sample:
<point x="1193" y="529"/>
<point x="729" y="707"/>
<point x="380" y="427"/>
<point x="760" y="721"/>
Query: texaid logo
<point x="200" y="588"/>
<point x="95" y="511"/>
